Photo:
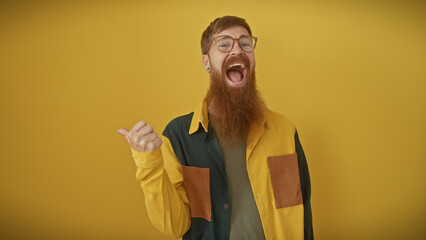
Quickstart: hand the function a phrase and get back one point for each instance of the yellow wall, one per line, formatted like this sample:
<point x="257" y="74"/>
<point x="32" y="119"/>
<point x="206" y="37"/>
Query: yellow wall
<point x="350" y="75"/>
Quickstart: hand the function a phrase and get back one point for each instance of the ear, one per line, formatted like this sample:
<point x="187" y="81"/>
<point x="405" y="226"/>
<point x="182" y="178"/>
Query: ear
<point x="206" y="63"/>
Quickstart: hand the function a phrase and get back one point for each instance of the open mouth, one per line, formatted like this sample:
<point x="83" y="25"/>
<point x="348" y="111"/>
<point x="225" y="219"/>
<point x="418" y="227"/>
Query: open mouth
<point x="236" y="74"/>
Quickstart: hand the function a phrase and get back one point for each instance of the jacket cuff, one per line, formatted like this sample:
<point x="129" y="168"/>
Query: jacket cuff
<point x="147" y="159"/>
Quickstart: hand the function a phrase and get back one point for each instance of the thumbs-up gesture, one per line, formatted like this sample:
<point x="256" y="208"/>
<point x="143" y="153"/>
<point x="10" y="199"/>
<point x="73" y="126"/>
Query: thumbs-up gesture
<point x="141" y="137"/>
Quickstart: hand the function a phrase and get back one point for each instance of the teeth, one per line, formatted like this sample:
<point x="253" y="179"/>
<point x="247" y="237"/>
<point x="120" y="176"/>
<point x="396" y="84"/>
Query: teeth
<point x="237" y="64"/>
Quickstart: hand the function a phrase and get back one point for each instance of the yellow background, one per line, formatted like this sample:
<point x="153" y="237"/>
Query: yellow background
<point x="350" y="75"/>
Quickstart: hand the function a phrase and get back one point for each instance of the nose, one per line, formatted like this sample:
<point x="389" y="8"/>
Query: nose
<point x="236" y="50"/>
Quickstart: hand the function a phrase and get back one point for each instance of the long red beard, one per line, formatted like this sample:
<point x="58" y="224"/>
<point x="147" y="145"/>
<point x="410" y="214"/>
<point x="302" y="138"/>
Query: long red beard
<point x="233" y="110"/>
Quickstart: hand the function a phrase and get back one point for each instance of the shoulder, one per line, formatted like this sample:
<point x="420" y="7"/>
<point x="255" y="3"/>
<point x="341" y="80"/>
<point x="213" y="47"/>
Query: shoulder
<point x="279" y="122"/>
<point x="178" y="125"/>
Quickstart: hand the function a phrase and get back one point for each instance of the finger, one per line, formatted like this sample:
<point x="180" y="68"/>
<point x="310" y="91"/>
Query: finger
<point x="145" y="130"/>
<point x="149" y="138"/>
<point x="123" y="132"/>
<point x="137" y="126"/>
<point x="151" y="146"/>
<point x="157" y="142"/>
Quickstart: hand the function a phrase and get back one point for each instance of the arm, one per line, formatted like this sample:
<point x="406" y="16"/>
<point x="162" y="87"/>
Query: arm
<point x="161" y="179"/>
<point x="306" y="188"/>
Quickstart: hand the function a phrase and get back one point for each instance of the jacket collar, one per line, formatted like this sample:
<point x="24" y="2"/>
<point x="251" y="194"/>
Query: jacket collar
<point x="201" y="115"/>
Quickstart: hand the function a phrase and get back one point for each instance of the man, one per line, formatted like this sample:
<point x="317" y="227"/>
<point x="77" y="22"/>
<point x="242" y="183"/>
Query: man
<point x="232" y="169"/>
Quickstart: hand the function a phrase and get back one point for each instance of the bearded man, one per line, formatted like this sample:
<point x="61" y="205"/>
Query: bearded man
<point x="232" y="169"/>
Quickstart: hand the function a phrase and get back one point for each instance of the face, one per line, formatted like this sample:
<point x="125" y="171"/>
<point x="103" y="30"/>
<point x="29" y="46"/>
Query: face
<point x="234" y="65"/>
<point x="234" y="103"/>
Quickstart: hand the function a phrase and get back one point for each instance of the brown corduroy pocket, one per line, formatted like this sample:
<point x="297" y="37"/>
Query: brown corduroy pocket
<point x="197" y="184"/>
<point x="285" y="180"/>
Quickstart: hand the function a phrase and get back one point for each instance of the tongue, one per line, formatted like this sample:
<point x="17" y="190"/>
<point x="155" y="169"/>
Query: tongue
<point x="235" y="76"/>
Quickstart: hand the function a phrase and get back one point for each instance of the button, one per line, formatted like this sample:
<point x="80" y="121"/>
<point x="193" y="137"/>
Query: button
<point x="226" y="206"/>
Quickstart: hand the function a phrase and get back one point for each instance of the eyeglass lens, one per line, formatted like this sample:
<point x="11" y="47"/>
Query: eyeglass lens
<point x="226" y="43"/>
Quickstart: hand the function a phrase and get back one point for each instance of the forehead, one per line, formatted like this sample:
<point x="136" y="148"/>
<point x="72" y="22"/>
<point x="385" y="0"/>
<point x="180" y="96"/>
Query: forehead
<point x="235" y="32"/>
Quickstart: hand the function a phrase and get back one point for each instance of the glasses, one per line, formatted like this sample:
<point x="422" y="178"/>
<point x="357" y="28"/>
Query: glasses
<point x="225" y="43"/>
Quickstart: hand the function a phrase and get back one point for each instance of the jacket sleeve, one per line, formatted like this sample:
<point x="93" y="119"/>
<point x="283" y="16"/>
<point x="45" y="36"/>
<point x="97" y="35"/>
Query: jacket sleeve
<point x="306" y="188"/>
<point x="161" y="180"/>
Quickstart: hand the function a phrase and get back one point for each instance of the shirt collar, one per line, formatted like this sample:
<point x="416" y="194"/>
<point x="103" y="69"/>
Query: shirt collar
<point x="200" y="116"/>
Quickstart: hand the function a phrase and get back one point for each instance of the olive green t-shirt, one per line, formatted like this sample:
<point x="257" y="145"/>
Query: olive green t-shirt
<point x="245" y="219"/>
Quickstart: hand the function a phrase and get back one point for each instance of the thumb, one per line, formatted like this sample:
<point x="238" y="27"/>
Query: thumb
<point x="123" y="132"/>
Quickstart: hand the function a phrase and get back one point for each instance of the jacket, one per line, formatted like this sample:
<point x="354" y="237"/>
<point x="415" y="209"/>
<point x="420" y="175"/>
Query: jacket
<point x="185" y="184"/>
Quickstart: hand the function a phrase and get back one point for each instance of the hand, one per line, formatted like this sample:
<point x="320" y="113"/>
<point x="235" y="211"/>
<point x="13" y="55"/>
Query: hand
<point x="141" y="137"/>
